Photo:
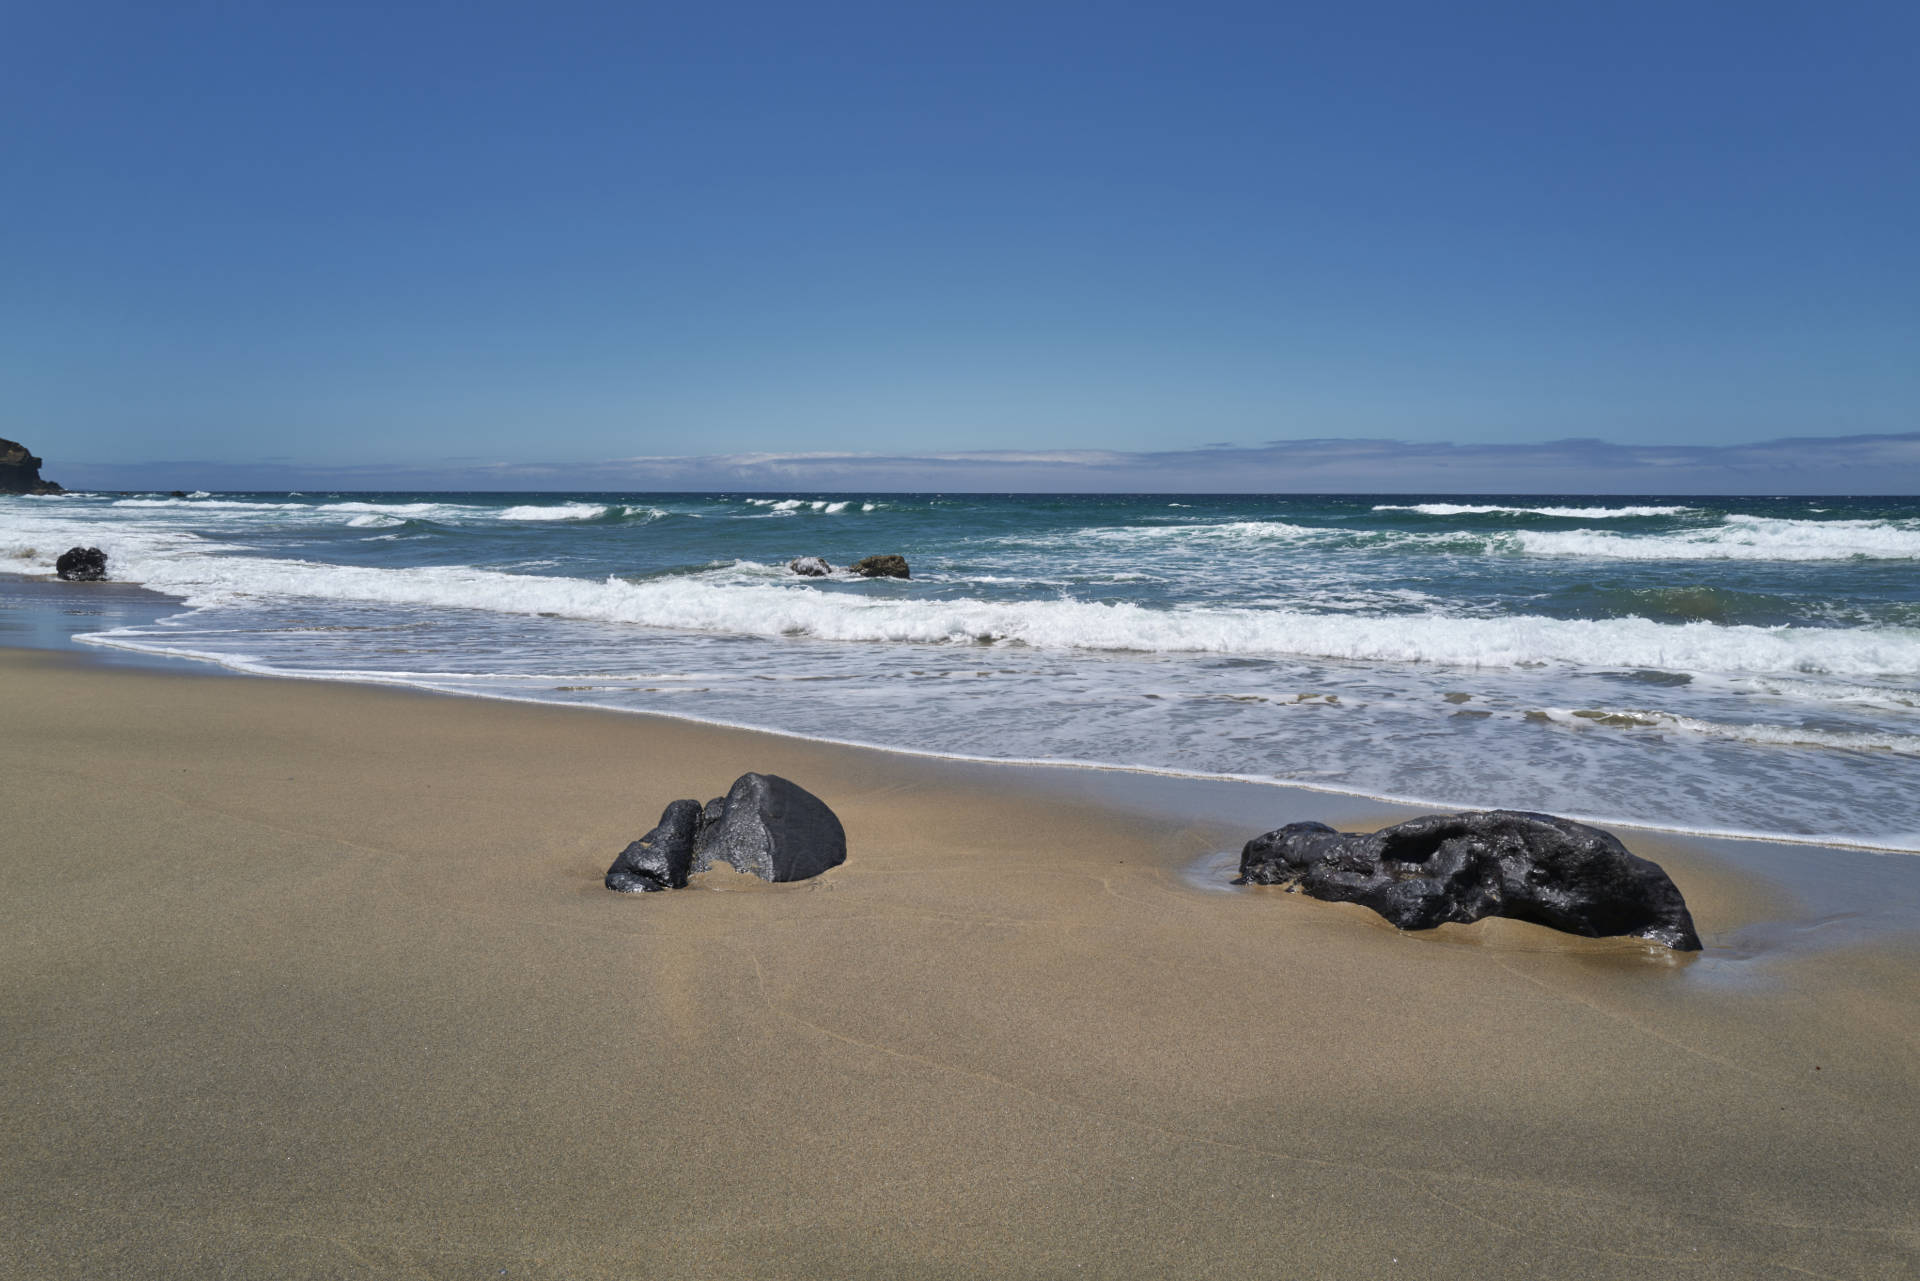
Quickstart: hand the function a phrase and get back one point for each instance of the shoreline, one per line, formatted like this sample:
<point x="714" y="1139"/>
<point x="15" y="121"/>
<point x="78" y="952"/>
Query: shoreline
<point x="1853" y="892"/>
<point x="1367" y="802"/>
<point x="310" y="979"/>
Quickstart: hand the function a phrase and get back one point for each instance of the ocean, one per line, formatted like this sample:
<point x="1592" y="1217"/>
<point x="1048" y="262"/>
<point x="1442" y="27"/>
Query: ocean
<point x="1742" y="666"/>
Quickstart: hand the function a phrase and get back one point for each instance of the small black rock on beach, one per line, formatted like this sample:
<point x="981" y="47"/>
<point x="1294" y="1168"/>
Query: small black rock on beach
<point x="765" y="825"/>
<point x="81" y="565"/>
<point x="1461" y="867"/>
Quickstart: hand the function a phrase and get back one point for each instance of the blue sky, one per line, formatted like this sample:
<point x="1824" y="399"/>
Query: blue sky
<point x="427" y="241"/>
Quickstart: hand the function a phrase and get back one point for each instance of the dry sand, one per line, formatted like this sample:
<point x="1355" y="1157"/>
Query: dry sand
<point x="307" y="980"/>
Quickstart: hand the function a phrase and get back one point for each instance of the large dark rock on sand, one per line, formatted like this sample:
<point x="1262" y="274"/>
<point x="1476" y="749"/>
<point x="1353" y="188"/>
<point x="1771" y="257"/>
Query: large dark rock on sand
<point x="881" y="567"/>
<point x="20" y="471"/>
<point x="661" y="859"/>
<point x="81" y="565"/>
<point x="777" y="830"/>
<point x="1462" y="867"/>
<point x="810" y="567"/>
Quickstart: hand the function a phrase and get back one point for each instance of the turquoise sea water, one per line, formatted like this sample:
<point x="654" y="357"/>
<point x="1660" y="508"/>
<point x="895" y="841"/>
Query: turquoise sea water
<point x="1715" y="664"/>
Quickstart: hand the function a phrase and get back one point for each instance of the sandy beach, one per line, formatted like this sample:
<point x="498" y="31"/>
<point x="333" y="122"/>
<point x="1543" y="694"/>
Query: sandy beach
<point x="319" y="980"/>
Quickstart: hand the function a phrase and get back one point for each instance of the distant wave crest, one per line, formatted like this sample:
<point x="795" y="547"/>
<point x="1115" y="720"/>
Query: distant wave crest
<point x="1740" y="538"/>
<point x="1565" y="513"/>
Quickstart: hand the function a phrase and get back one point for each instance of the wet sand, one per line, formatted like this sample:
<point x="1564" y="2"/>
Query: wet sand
<point x="318" y="980"/>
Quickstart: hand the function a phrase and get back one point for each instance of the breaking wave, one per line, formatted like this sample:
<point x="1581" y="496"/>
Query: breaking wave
<point x="699" y="602"/>
<point x="564" y="511"/>
<point x="1755" y="538"/>
<point x="826" y="506"/>
<point x="1739" y="538"/>
<point x="1754" y="671"/>
<point x="1564" y="513"/>
<point x="580" y="512"/>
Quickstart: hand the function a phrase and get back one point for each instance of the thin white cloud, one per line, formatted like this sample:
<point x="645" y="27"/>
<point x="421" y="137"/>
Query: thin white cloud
<point x="1832" y="465"/>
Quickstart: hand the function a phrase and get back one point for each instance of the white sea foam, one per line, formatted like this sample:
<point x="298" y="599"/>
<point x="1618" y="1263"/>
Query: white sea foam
<point x="229" y="507"/>
<point x="408" y="511"/>
<point x="361" y="513"/>
<point x="211" y="504"/>
<point x="1757" y="538"/>
<point x="827" y="506"/>
<point x="1885" y="697"/>
<point x="1761" y="734"/>
<point x="129" y="544"/>
<point x="1234" y="531"/>
<point x="560" y="511"/>
<point x="1568" y="513"/>
<point x="1739" y="538"/>
<point x="755" y="609"/>
<point x="1205" y="664"/>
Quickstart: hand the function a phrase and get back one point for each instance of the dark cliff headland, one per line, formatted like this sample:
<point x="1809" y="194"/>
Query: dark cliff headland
<point x="20" y="471"/>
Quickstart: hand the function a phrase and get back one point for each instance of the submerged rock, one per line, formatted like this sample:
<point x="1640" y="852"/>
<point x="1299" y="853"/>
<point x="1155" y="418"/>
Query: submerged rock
<point x="881" y="567"/>
<point x="81" y="565"/>
<point x="775" y="829"/>
<point x="1462" y="867"/>
<point x="810" y="566"/>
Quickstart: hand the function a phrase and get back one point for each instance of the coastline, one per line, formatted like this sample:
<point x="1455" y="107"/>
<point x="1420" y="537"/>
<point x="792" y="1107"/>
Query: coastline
<point x="317" y="979"/>
<point x="42" y="612"/>
<point x="142" y="604"/>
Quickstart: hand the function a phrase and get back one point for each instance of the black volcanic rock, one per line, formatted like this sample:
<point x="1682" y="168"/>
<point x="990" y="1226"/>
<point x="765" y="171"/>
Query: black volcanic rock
<point x="1462" y="867"/>
<point x="765" y="825"/>
<point x="661" y="859"/>
<point x="777" y="830"/>
<point x="20" y="471"/>
<point x="81" y="565"/>
<point x="810" y="566"/>
<point x="881" y="567"/>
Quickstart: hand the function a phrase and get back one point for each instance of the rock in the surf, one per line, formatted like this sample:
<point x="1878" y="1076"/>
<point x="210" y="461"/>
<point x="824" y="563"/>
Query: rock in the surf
<point x="81" y="565"/>
<point x="661" y="859"/>
<point x="777" y="830"/>
<point x="1462" y="867"/>
<point x="810" y="566"/>
<point x="881" y="567"/>
<point x="765" y="825"/>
